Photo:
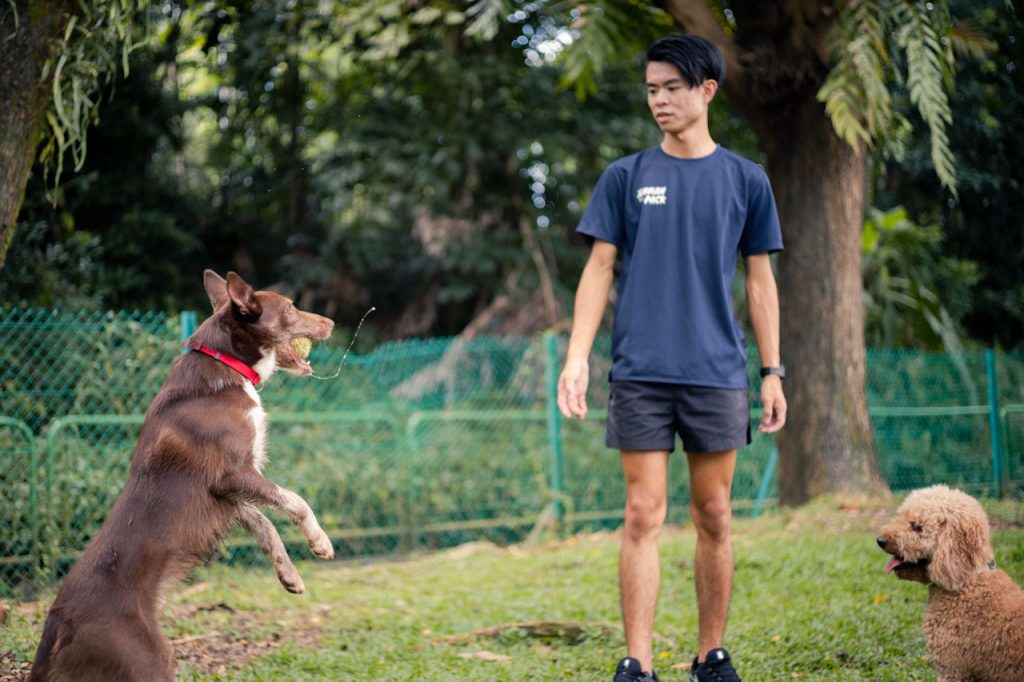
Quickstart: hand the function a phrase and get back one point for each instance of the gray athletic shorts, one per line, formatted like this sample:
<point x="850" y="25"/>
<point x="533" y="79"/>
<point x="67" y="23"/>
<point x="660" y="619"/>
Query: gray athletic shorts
<point x="644" y="415"/>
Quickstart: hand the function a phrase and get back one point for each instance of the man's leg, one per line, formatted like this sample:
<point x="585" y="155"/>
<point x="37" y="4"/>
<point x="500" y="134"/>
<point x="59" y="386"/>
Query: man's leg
<point x="710" y="484"/>
<point x="645" y="473"/>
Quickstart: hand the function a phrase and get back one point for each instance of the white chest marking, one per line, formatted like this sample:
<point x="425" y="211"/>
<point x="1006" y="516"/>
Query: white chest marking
<point x="266" y="365"/>
<point x="258" y="417"/>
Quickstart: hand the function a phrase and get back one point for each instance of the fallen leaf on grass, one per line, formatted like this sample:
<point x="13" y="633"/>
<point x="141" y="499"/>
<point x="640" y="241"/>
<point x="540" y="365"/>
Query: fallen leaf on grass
<point x="485" y="656"/>
<point x="541" y="629"/>
<point x="195" y="638"/>
<point x="195" y="589"/>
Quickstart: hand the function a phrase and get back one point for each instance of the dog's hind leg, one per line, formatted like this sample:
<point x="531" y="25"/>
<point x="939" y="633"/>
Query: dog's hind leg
<point x="252" y="487"/>
<point x="260" y="527"/>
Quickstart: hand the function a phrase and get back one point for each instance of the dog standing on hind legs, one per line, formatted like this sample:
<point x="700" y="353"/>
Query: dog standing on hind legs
<point x="195" y="472"/>
<point x="974" y="620"/>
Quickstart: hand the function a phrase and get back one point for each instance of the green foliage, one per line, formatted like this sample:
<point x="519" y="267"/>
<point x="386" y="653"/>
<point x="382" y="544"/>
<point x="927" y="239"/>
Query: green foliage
<point x="125" y="227"/>
<point x="425" y="159"/>
<point x="98" y="39"/>
<point x="914" y="295"/>
<point x="928" y="66"/>
<point x="487" y="18"/>
<point x="606" y="32"/>
<point x="982" y="223"/>
<point x="855" y="94"/>
<point x="318" y="126"/>
<point x="871" y="42"/>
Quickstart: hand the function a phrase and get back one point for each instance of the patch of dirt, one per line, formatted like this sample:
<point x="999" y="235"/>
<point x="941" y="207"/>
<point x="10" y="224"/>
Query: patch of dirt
<point x="11" y="669"/>
<point x="215" y="653"/>
<point x="212" y="652"/>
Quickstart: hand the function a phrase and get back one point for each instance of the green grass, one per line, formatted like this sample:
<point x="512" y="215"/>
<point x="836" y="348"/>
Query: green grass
<point x="811" y="602"/>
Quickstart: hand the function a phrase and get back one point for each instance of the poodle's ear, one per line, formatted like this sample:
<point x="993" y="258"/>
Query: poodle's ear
<point x="963" y="548"/>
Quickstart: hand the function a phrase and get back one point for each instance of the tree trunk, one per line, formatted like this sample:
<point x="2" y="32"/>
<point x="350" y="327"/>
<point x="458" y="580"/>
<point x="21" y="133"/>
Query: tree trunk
<point x="28" y="34"/>
<point x="819" y="183"/>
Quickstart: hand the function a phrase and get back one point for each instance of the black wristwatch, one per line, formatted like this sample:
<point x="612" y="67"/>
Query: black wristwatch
<point x="779" y="371"/>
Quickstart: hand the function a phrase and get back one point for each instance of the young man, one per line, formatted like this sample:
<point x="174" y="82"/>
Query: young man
<point x="679" y="213"/>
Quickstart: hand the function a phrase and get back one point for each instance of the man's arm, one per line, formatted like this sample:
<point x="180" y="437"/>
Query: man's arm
<point x="763" y="302"/>
<point x="591" y="299"/>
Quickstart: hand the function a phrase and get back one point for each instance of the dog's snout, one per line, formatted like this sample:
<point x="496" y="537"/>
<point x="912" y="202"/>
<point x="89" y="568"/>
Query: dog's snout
<point x="882" y="541"/>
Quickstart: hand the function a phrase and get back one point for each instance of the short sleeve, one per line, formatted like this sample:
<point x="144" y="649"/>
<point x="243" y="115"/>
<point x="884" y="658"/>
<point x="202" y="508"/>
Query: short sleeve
<point x="762" y="232"/>
<point x="603" y="218"/>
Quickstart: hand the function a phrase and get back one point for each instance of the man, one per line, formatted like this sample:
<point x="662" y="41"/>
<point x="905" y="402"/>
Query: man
<point x="679" y="213"/>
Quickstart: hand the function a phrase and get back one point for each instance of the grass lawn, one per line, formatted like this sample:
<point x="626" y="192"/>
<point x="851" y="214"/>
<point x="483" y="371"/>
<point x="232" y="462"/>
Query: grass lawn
<point x="811" y="602"/>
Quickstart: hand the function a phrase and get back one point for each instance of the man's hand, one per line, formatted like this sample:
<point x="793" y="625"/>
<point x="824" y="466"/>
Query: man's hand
<point x="572" y="388"/>
<point x="773" y="416"/>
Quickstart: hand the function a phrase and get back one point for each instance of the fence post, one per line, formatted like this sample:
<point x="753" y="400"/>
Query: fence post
<point x="187" y="322"/>
<point x="766" y="481"/>
<point x="993" y="423"/>
<point x="409" y="538"/>
<point x="554" y="423"/>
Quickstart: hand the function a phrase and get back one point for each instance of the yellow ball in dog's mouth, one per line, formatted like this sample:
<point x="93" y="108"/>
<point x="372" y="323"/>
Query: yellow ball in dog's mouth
<point x="301" y="346"/>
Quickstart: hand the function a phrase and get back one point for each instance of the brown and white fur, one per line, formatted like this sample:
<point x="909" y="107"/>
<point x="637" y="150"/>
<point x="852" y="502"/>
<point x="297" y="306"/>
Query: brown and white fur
<point x="974" y="620"/>
<point x="195" y="472"/>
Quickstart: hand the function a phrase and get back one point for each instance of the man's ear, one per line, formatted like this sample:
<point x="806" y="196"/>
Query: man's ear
<point x="710" y="87"/>
<point x="216" y="289"/>
<point x="243" y="298"/>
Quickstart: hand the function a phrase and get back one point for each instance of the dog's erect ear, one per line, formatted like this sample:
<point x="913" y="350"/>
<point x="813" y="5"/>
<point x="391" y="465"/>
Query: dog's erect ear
<point x="963" y="548"/>
<point x="243" y="298"/>
<point x="216" y="289"/>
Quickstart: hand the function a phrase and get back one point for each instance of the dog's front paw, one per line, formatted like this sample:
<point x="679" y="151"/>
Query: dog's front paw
<point x="322" y="545"/>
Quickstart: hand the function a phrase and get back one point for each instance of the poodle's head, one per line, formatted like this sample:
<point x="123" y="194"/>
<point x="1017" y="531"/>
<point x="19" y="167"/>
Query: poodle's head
<point x="939" y="536"/>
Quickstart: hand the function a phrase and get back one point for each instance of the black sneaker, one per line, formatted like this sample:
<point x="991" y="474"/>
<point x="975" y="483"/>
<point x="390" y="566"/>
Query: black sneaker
<point x="715" y="668"/>
<point x="629" y="670"/>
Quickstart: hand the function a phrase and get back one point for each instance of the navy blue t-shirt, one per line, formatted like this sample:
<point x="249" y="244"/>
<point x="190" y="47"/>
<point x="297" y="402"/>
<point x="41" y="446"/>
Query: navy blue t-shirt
<point x="679" y="224"/>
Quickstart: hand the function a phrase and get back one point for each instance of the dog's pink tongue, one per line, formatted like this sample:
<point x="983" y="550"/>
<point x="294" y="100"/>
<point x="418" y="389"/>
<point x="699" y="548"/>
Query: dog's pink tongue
<point x="893" y="563"/>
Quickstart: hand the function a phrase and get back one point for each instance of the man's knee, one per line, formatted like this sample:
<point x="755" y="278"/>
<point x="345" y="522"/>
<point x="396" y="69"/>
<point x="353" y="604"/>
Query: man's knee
<point x="712" y="517"/>
<point x="645" y="515"/>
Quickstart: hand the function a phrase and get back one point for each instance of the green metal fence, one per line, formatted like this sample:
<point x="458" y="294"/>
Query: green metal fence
<point x="422" y="444"/>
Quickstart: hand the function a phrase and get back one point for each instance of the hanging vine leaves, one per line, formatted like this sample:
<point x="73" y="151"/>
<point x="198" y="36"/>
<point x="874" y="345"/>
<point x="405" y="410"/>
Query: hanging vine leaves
<point x="94" y="45"/>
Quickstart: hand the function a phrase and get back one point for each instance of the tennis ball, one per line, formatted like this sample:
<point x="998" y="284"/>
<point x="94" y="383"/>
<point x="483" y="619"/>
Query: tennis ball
<point x="302" y="346"/>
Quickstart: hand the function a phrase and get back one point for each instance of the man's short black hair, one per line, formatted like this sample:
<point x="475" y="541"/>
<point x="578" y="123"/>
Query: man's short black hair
<point x="698" y="59"/>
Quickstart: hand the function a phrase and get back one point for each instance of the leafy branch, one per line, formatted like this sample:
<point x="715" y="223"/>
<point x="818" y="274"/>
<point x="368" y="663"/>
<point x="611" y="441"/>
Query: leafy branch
<point x="865" y="40"/>
<point x="96" y="42"/>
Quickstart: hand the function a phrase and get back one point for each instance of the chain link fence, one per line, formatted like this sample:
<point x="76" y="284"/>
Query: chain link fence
<point x="422" y="444"/>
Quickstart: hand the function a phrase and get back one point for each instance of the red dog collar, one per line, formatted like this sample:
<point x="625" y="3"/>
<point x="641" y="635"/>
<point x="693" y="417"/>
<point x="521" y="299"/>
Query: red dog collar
<point x="231" y="361"/>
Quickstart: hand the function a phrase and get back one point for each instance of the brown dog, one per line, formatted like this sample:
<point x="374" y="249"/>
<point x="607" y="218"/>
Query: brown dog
<point x="974" y="621"/>
<point x="194" y="473"/>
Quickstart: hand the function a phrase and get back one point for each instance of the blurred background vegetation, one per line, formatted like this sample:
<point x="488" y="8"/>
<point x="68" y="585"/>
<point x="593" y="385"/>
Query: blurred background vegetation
<point x="427" y="160"/>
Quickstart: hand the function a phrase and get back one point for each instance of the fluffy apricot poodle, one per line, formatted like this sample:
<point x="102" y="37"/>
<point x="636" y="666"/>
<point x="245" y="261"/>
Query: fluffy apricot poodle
<point x="974" y="621"/>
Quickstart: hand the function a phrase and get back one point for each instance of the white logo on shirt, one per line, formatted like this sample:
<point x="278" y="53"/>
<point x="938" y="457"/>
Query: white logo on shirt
<point x="652" y="196"/>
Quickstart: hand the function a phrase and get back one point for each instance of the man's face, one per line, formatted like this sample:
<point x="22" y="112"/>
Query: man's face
<point x="676" y="106"/>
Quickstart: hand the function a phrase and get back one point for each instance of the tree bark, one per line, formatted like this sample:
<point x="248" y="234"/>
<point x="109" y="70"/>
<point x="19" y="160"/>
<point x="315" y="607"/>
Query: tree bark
<point x="777" y="60"/>
<point x="827" y="444"/>
<point x="28" y="37"/>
